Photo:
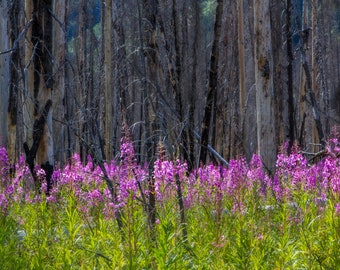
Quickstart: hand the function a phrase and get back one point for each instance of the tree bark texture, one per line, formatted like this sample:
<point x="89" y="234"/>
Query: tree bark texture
<point x="266" y="141"/>
<point x="242" y="71"/>
<point x="108" y="70"/>
<point x="59" y="72"/>
<point x="212" y="83"/>
<point x="4" y="71"/>
<point x="169" y="68"/>
<point x="39" y="84"/>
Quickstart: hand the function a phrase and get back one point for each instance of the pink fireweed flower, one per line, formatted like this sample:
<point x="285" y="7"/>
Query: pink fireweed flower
<point x="311" y="178"/>
<point x="237" y="176"/>
<point x="89" y="166"/>
<point x="127" y="152"/>
<point x="3" y="203"/>
<point x="43" y="187"/>
<point x="76" y="161"/>
<point x="107" y="194"/>
<point x="3" y="157"/>
<point x="4" y="165"/>
<point x="51" y="199"/>
<point x="181" y="169"/>
<point x="238" y="207"/>
<point x="192" y="194"/>
<point x="128" y="178"/>
<point x="277" y="188"/>
<point x="330" y="174"/>
<point x="40" y="173"/>
<point x="37" y="199"/>
<point x="333" y="148"/>
<point x="163" y="173"/>
<point x="327" y="173"/>
<point x="56" y="175"/>
<point x="127" y="174"/>
<point x="337" y="209"/>
<point x="127" y="186"/>
<point x="109" y="210"/>
<point x="256" y="175"/>
<point x="10" y="190"/>
<point x="95" y="197"/>
<point x="291" y="168"/>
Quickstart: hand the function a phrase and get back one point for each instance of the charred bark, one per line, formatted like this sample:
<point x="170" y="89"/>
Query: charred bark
<point x="212" y="83"/>
<point x="38" y="132"/>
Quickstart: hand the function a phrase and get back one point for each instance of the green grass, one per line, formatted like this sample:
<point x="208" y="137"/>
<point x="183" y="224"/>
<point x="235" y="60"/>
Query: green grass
<point x="60" y="236"/>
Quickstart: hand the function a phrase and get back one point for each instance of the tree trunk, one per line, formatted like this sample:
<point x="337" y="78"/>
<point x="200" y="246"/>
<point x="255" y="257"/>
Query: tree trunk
<point x="15" y="137"/>
<point x="150" y="65"/>
<point x="242" y="74"/>
<point x="59" y="71"/>
<point x="28" y="96"/>
<point x="314" y="71"/>
<point x="266" y="141"/>
<point x="194" y="85"/>
<point x="4" y="72"/>
<point x="108" y="78"/>
<point x="212" y="83"/>
<point x="39" y="84"/>
<point x="81" y="54"/>
<point x="290" y="79"/>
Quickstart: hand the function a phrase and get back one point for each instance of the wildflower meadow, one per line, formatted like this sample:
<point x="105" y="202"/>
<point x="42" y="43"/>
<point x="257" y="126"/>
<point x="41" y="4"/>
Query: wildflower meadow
<point x="212" y="217"/>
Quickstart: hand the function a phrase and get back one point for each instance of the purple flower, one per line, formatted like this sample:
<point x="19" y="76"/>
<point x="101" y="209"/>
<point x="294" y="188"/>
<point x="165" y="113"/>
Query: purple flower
<point x="256" y="174"/>
<point x="4" y="165"/>
<point x="277" y="188"/>
<point x="43" y="187"/>
<point x="51" y="199"/>
<point x="163" y="173"/>
<point x="127" y="152"/>
<point x="237" y="176"/>
<point x="3" y="203"/>
<point x="10" y="190"/>
<point x="109" y="210"/>
<point x="95" y="197"/>
<point x="337" y="209"/>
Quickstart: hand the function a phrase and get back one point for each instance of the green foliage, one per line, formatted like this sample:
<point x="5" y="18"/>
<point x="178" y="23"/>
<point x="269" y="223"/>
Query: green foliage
<point x="208" y="8"/>
<point x="303" y="235"/>
<point x="247" y="228"/>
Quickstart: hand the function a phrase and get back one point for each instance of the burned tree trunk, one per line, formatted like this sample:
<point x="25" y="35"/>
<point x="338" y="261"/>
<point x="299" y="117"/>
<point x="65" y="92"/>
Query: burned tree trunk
<point x="266" y="142"/>
<point x="290" y="79"/>
<point x="212" y="83"/>
<point x="4" y="72"/>
<point x="39" y="84"/>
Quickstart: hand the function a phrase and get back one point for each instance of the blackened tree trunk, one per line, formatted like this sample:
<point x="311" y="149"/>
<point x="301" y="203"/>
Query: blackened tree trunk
<point x="39" y="84"/>
<point x="242" y="70"/>
<point x="193" y="93"/>
<point x="59" y="70"/>
<point x="107" y="38"/>
<point x="290" y="78"/>
<point x="150" y="66"/>
<point x="212" y="83"/>
<point x="4" y="71"/>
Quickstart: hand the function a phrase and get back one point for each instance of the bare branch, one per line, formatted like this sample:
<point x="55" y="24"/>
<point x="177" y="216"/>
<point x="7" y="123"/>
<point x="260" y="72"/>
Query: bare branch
<point x="16" y="42"/>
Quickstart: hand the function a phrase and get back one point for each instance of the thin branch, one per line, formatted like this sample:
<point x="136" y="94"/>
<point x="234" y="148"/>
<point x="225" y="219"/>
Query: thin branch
<point x="213" y="151"/>
<point x="62" y="26"/>
<point x="16" y="42"/>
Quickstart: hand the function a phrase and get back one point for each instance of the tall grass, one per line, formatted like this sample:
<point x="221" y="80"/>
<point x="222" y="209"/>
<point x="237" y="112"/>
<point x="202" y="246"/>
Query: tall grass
<point x="235" y="218"/>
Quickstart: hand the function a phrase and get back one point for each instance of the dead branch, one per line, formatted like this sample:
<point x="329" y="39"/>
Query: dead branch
<point x="16" y="42"/>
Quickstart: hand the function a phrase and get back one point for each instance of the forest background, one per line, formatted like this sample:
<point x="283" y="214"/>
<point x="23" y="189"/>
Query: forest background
<point x="210" y="79"/>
